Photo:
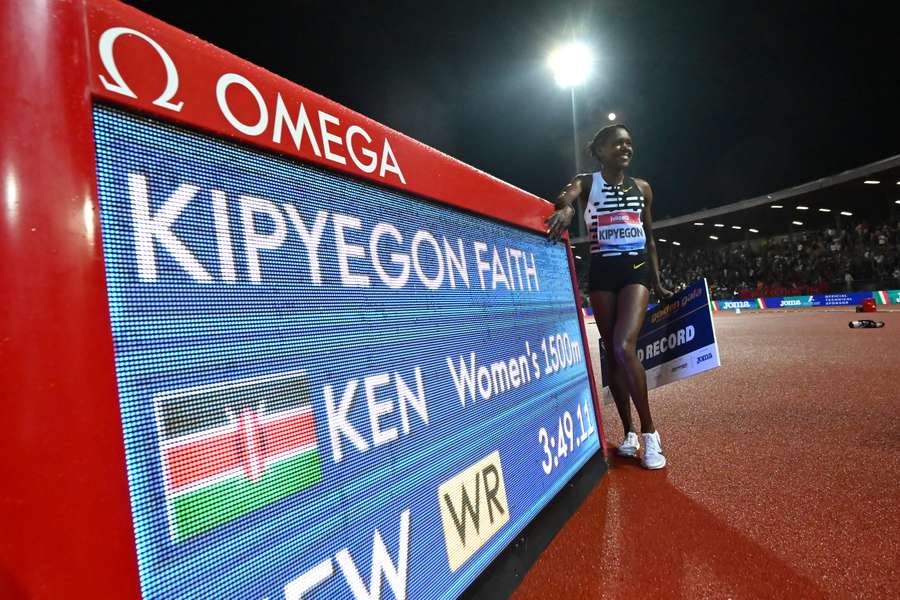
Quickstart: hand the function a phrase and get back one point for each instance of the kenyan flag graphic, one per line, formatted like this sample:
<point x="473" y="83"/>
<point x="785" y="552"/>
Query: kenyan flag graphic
<point x="233" y="448"/>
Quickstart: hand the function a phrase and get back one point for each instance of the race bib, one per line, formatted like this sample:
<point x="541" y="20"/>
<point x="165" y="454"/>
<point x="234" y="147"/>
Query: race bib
<point x="620" y="231"/>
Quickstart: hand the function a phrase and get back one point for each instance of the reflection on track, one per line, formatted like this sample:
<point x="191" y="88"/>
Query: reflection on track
<point x="773" y="489"/>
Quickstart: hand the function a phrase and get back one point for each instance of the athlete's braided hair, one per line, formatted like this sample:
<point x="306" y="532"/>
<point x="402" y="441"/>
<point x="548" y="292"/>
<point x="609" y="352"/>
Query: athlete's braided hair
<point x="602" y="136"/>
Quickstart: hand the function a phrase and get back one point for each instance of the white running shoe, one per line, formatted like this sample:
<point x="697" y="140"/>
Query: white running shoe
<point x="653" y="455"/>
<point x="630" y="446"/>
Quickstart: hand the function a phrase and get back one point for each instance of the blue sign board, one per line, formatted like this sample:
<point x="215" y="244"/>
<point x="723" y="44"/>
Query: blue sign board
<point x="839" y="299"/>
<point x="327" y="388"/>
<point x="677" y="339"/>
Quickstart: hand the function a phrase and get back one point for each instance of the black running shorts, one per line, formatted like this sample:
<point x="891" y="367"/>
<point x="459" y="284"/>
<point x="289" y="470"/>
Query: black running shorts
<point x="612" y="273"/>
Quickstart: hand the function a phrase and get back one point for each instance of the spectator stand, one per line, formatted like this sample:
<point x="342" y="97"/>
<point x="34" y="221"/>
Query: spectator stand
<point x="837" y="234"/>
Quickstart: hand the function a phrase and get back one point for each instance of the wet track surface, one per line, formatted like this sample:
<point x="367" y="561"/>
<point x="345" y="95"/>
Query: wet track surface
<point x="782" y="479"/>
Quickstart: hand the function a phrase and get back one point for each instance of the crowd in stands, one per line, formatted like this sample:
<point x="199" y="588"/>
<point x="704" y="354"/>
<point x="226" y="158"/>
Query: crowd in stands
<point x="857" y="257"/>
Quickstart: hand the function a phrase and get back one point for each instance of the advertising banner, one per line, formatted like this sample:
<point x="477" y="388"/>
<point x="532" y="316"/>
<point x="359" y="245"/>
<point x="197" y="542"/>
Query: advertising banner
<point x="834" y="299"/>
<point x="677" y="340"/>
<point x="887" y="296"/>
<point x="329" y="388"/>
<point x="791" y="302"/>
<point x="755" y="303"/>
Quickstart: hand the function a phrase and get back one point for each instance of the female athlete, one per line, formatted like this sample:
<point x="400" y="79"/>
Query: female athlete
<point x="624" y="268"/>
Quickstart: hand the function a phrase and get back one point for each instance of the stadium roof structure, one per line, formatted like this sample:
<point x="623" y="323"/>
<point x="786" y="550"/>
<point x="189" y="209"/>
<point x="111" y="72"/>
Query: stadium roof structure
<point x="869" y="192"/>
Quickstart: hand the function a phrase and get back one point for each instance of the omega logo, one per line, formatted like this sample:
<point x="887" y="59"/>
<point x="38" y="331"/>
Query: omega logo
<point x="317" y="129"/>
<point x="118" y="85"/>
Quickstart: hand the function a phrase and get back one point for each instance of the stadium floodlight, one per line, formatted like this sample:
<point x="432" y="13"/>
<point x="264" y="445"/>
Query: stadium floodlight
<point x="846" y="213"/>
<point x="736" y="227"/>
<point x="824" y="210"/>
<point x="751" y="230"/>
<point x="776" y="206"/>
<point x="611" y="116"/>
<point x="571" y="64"/>
<point x="797" y="222"/>
<point x="871" y="182"/>
<point x="698" y="224"/>
<point x="663" y="240"/>
<point x="802" y="208"/>
<point x="896" y="201"/>
<point x="712" y="237"/>
<point x="719" y="225"/>
<point x="676" y="243"/>
<point x="578" y="257"/>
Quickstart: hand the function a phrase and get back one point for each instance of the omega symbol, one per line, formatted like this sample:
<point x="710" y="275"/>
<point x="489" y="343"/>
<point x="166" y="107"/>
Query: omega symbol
<point x="118" y="85"/>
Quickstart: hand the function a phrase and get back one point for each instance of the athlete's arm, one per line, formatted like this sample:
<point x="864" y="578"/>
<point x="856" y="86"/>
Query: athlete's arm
<point x="661" y="292"/>
<point x="565" y="204"/>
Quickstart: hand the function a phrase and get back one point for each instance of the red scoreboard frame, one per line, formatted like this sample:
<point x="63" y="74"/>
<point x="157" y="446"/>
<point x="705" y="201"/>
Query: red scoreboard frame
<point x="65" y="519"/>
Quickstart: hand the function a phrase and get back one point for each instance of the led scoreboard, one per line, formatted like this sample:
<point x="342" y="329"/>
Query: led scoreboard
<point x="345" y="366"/>
<point x="327" y="387"/>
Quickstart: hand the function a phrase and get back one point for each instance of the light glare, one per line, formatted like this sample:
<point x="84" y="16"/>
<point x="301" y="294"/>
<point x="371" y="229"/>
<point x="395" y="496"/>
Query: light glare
<point x="12" y="197"/>
<point x="571" y="64"/>
<point x="87" y="213"/>
<point x="611" y="116"/>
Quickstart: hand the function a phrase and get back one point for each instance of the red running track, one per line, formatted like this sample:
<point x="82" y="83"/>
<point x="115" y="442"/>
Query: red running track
<point x="782" y="479"/>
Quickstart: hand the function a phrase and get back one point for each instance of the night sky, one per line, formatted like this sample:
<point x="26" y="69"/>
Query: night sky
<point x="725" y="100"/>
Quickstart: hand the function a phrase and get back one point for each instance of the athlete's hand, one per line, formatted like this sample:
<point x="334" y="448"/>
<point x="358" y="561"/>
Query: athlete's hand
<point x="559" y="221"/>
<point x="662" y="293"/>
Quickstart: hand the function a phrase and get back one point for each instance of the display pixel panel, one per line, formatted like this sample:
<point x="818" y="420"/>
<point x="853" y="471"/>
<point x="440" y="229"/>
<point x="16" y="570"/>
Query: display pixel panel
<point x="327" y="388"/>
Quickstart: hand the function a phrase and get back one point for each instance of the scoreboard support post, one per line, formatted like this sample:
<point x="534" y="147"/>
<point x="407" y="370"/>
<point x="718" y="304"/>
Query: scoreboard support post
<point x="65" y="519"/>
